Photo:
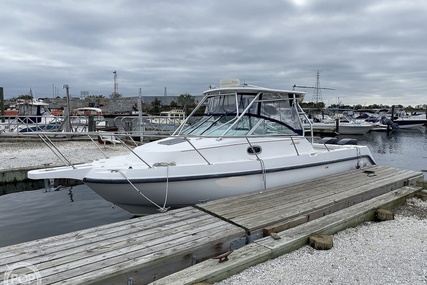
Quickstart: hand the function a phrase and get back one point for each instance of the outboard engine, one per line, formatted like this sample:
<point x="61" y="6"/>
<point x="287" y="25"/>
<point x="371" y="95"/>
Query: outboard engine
<point x="388" y="122"/>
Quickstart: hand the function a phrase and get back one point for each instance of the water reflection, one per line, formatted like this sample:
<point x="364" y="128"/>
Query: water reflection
<point x="36" y="214"/>
<point x="386" y="142"/>
<point x="405" y="149"/>
<point x="70" y="194"/>
<point x="49" y="187"/>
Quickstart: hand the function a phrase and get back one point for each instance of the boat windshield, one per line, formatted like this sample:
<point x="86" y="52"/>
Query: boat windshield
<point x="238" y="114"/>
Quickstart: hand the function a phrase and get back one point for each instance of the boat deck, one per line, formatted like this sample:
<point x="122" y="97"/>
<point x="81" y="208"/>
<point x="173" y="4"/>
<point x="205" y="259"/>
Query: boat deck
<point x="152" y="247"/>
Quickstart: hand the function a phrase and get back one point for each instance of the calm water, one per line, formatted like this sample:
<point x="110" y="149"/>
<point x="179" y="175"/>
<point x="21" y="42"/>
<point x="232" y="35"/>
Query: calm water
<point x="36" y="214"/>
<point x="403" y="149"/>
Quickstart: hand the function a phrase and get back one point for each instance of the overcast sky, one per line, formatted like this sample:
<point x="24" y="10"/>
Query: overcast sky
<point x="370" y="52"/>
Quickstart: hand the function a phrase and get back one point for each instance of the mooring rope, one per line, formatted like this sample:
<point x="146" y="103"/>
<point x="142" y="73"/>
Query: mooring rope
<point x="167" y="186"/>
<point x="167" y="164"/>
<point x="264" y="173"/>
<point x="161" y="209"/>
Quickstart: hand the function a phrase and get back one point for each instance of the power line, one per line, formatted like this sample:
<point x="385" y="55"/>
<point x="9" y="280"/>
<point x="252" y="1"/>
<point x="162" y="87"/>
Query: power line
<point x="317" y="92"/>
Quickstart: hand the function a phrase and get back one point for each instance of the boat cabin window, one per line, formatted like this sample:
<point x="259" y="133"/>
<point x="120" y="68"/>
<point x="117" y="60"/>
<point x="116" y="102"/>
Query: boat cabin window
<point x="247" y="114"/>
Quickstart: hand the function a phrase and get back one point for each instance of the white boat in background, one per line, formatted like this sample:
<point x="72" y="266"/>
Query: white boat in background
<point x="410" y="121"/>
<point x="33" y="116"/>
<point x="167" y="121"/>
<point x="383" y="124"/>
<point x="248" y="140"/>
<point x="349" y="126"/>
<point x="81" y="118"/>
<point x="386" y="120"/>
<point x="342" y="126"/>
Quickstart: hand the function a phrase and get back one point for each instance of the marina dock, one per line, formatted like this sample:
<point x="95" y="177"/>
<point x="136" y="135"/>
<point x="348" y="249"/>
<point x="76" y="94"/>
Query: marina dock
<point x="211" y="241"/>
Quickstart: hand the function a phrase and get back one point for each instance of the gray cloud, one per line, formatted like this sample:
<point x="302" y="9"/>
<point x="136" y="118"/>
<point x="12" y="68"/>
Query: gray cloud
<point x="369" y="51"/>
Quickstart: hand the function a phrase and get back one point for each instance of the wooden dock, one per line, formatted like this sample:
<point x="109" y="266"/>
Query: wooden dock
<point x="143" y="248"/>
<point x="281" y="208"/>
<point x="177" y="247"/>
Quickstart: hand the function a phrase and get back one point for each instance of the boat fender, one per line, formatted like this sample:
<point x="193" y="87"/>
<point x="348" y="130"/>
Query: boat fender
<point x="347" y="142"/>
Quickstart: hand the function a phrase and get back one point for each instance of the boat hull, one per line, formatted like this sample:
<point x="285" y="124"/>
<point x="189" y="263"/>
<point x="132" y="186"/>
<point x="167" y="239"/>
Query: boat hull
<point x="343" y="128"/>
<point x="142" y="196"/>
<point x="407" y="124"/>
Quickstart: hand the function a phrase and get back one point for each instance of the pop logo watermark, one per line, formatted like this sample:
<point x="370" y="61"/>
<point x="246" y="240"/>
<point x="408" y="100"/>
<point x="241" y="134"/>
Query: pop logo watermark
<point x="22" y="273"/>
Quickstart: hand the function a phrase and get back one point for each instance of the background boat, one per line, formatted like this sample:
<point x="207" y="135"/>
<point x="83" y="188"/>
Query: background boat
<point x="33" y="116"/>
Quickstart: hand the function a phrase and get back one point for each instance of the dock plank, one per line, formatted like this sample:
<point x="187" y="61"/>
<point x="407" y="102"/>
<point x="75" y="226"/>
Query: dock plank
<point x="336" y="198"/>
<point x="300" y="193"/>
<point x="266" y="248"/>
<point x="126" y="259"/>
<point x="308" y="200"/>
<point x="229" y="206"/>
<point x="273" y="195"/>
<point x="106" y="243"/>
<point x="148" y="248"/>
<point x="89" y="237"/>
<point x="318" y="206"/>
<point x="73" y="238"/>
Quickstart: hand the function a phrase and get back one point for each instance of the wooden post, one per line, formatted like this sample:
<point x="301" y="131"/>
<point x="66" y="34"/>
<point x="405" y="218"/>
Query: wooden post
<point x="384" y="215"/>
<point x="321" y="242"/>
<point x="67" y="126"/>
<point x="91" y="124"/>
<point x="337" y="125"/>
<point x="392" y="113"/>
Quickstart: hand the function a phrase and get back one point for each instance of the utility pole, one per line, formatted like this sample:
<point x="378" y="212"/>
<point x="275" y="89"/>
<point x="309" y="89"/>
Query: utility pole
<point x="2" y="104"/>
<point x="116" y="85"/>
<point x="317" y="93"/>
<point x="67" y="126"/>
<point x="141" y="124"/>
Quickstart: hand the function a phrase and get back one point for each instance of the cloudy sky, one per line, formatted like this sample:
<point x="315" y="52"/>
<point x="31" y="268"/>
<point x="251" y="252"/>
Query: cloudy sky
<point x="369" y="51"/>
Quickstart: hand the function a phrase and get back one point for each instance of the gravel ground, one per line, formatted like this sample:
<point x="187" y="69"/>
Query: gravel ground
<point x="391" y="252"/>
<point x="36" y="153"/>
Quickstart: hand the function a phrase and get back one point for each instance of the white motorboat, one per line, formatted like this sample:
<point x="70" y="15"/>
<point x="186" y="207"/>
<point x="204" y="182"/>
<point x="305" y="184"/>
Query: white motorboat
<point x="167" y="121"/>
<point x="383" y="124"/>
<point x="410" y="121"/>
<point x="389" y="120"/>
<point x="354" y="127"/>
<point x="33" y="116"/>
<point x="343" y="126"/>
<point x="248" y="140"/>
<point x="82" y="118"/>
